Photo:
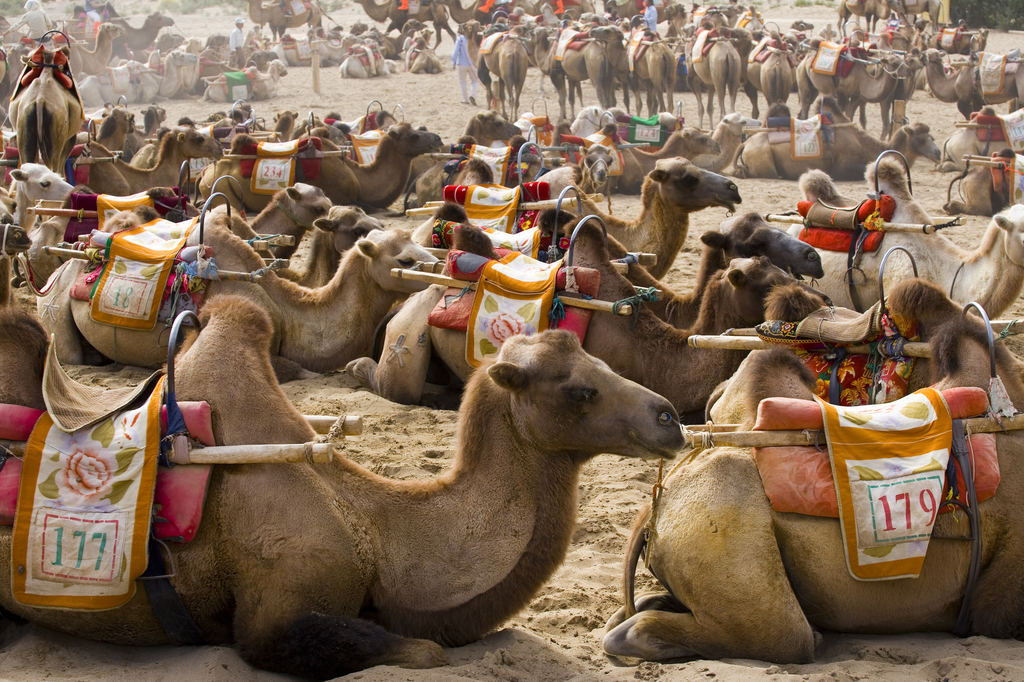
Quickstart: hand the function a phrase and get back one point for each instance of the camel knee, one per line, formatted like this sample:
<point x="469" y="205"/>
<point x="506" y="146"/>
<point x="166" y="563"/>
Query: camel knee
<point x="363" y="370"/>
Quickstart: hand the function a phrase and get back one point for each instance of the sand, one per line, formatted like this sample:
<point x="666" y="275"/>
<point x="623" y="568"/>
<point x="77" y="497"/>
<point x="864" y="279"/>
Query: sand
<point x="558" y="637"/>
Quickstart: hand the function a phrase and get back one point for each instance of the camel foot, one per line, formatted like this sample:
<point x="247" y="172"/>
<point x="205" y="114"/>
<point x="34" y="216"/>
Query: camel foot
<point x="363" y="370"/>
<point x="655" y="601"/>
<point x="647" y="636"/>
<point x="288" y="370"/>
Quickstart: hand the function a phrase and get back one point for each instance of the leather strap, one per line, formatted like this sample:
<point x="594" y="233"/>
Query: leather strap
<point x="962" y="455"/>
<point x="835" y="389"/>
<point x="168" y="608"/>
<point x="852" y="258"/>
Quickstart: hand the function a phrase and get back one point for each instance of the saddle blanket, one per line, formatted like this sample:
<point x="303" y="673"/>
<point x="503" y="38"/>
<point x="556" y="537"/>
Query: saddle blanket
<point x="639" y="41"/>
<point x="526" y="242"/>
<point x="365" y="146"/>
<point x="798" y="479"/>
<point x="237" y="85"/>
<point x="108" y="205"/>
<point x="993" y="134"/>
<point x="488" y="206"/>
<point x="543" y="130"/>
<point x="948" y="37"/>
<point x="496" y="158"/>
<point x="488" y="43"/>
<point x="120" y="79"/>
<point x="698" y="51"/>
<point x="806" y="141"/>
<point x="300" y="46"/>
<point x="84" y="504"/>
<point x="749" y="17"/>
<point x="524" y="220"/>
<point x="514" y="296"/>
<point x="826" y="61"/>
<point x="569" y="39"/>
<point x="130" y="287"/>
<point x="275" y="170"/>
<point x="1013" y="129"/>
<point x="91" y="202"/>
<point x="838" y="239"/>
<point x="992" y="72"/>
<point x="634" y="129"/>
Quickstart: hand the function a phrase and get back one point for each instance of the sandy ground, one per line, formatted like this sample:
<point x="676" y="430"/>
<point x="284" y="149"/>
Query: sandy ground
<point x="558" y="636"/>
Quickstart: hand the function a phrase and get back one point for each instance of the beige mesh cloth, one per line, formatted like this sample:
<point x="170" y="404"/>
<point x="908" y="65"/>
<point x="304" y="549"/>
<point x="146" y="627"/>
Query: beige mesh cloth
<point x="842" y="325"/>
<point x="73" y="406"/>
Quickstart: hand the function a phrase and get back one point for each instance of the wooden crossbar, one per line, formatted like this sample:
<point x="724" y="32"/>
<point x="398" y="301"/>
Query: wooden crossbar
<point x="645" y="259"/>
<point x="987" y="162"/>
<point x="751" y="131"/>
<point x="222" y="275"/>
<point x="344" y="151"/>
<point x="911" y="349"/>
<point x="431" y="207"/>
<point x="886" y="227"/>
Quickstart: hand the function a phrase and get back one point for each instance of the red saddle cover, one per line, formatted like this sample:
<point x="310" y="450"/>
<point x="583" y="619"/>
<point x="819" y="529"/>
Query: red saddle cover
<point x="994" y="134"/>
<point x="309" y="168"/>
<point x="834" y="239"/>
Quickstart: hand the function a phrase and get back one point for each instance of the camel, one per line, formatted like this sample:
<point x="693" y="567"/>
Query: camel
<point x="641" y="349"/>
<point x="261" y="86"/>
<point x="353" y="66"/>
<point x="957" y="87"/>
<point x="728" y="135"/>
<point x="143" y="86"/>
<point x="16" y="241"/>
<point x="966" y="42"/>
<point x="765" y="568"/>
<point x="656" y="73"/>
<point x="181" y="73"/>
<point x="332" y="237"/>
<point x="137" y="39"/>
<point x="292" y="211"/>
<point x="965" y="142"/>
<point x="121" y="179"/>
<point x="376" y="533"/>
<point x="488" y="127"/>
<point x="850" y="150"/>
<point x="273" y="15"/>
<point x="719" y="70"/>
<point x="22" y="354"/>
<point x="871" y="10"/>
<point x="115" y="129"/>
<point x="978" y="193"/>
<point x="92" y="62"/>
<point x="436" y="12"/>
<point x="992" y="274"/>
<point x="774" y="77"/>
<point x="598" y="60"/>
<point x="688" y="143"/>
<point x="32" y="183"/>
<point x="423" y="59"/>
<point x="344" y="181"/>
<point x="508" y="61"/>
<point x="47" y="113"/>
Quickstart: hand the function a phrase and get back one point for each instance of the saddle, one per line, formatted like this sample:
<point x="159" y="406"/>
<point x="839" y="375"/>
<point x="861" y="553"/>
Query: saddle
<point x="634" y="129"/>
<point x="834" y="228"/>
<point x="172" y="209"/>
<point x="74" y="173"/>
<point x="992" y="134"/>
<point x="496" y="206"/>
<point x="306" y="150"/>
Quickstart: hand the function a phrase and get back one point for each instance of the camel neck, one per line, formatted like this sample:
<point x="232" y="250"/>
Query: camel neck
<point x="277" y="218"/>
<point x="941" y="85"/>
<point x="730" y="145"/>
<point x="988" y="275"/>
<point x="382" y="181"/>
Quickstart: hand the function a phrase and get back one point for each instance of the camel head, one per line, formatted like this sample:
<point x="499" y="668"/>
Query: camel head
<point x="682" y="184"/>
<point x="1011" y="221"/>
<point x="488" y="126"/>
<point x="306" y="202"/>
<point x="385" y="250"/>
<point x="181" y="58"/>
<point x="566" y="400"/>
<point x="15" y="237"/>
<point x="411" y="142"/>
<point x="748" y="235"/>
<point x="194" y="144"/>
<point x="612" y="39"/>
<point x="157" y="19"/>
<point x="918" y="137"/>
<point x="35" y="182"/>
<point x="347" y="224"/>
<point x="110" y="31"/>
<point x="735" y="122"/>
<point x="276" y="69"/>
<point x="743" y="286"/>
<point x="699" y="142"/>
<point x="154" y="116"/>
<point x="118" y="119"/>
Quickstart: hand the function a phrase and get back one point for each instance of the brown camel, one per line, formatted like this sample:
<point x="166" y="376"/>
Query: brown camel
<point x="291" y="211"/>
<point x="488" y="127"/>
<point x="765" y="569"/>
<point x="315" y="329"/>
<point x="656" y="73"/>
<point x="47" y="115"/>
<point x="672" y="191"/>
<point x="115" y="129"/>
<point x="425" y="60"/>
<point x="599" y="60"/>
<point x="966" y="42"/>
<point x="688" y="143"/>
<point x="729" y="137"/>
<point x="508" y="61"/>
<point x="642" y="349"/>
<point x="871" y="10"/>
<point x="720" y="71"/>
<point x="279" y="22"/>
<point x="979" y="193"/>
<point x="136" y="39"/>
<point x="93" y="62"/>
<point x="334" y="235"/>
<point x="22" y="354"/>
<point x="393" y="549"/>
<point x="775" y="76"/>
<point x="851" y="149"/>
<point x="16" y="240"/>
<point x="344" y="181"/>
<point x="434" y="12"/>
<point x="121" y="179"/>
<point x="957" y="87"/>
<point x="992" y="274"/>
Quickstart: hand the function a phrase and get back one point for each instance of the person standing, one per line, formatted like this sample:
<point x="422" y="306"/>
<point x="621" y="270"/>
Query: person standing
<point x="462" y="63"/>
<point x="236" y="43"/>
<point x="651" y="16"/>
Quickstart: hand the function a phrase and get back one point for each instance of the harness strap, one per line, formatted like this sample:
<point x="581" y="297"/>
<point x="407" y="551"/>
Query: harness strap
<point x="835" y="388"/>
<point x="852" y="258"/>
<point x="963" y="458"/>
<point x="168" y="608"/>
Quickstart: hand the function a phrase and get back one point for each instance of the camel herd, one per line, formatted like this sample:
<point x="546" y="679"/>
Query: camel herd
<point x="320" y="570"/>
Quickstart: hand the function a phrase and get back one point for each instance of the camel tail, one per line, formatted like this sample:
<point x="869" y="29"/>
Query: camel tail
<point x="637" y="544"/>
<point x="775" y="87"/>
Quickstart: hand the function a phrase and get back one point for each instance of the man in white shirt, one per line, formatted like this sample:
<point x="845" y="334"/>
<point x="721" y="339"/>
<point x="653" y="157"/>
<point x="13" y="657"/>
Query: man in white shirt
<point x="235" y="43"/>
<point x="651" y="16"/>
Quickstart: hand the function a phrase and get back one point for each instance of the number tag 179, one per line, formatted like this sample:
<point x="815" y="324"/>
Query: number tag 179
<point x="898" y="510"/>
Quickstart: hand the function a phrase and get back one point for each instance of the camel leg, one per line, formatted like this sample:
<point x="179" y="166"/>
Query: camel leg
<point x="558" y="80"/>
<point x="721" y="559"/>
<point x="54" y="312"/>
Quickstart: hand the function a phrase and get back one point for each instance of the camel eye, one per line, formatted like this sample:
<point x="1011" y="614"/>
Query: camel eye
<point x="362" y="233"/>
<point x="406" y="262"/>
<point x="813" y="255"/>
<point x="580" y="394"/>
<point x="45" y="184"/>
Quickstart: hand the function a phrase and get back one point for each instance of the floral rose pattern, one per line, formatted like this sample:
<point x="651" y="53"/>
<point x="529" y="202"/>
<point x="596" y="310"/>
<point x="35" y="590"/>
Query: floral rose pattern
<point x="86" y="475"/>
<point x="502" y="326"/>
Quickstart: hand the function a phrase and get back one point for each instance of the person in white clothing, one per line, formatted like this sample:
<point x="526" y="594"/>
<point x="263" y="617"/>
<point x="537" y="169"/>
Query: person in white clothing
<point x="235" y="42"/>
<point x="466" y="68"/>
<point x="651" y="16"/>
<point x="35" y="19"/>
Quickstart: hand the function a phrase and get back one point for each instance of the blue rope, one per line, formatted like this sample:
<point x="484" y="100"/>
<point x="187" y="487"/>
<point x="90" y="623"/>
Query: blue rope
<point x="893" y="347"/>
<point x="648" y="294"/>
<point x="557" y="313"/>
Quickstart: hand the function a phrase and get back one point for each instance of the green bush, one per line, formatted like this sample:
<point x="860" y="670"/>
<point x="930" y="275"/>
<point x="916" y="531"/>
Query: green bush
<point x="1003" y="14"/>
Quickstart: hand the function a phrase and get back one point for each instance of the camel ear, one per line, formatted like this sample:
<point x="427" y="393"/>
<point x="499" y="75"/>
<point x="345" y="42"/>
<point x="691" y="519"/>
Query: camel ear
<point x="1002" y="221"/>
<point x="687" y="134"/>
<point x="658" y="175"/>
<point x="715" y="240"/>
<point x="737" y="278"/>
<point x="325" y="224"/>
<point x="293" y="193"/>
<point x="19" y="175"/>
<point x="392" y="133"/>
<point x="367" y="248"/>
<point x="181" y="137"/>
<point x="508" y="376"/>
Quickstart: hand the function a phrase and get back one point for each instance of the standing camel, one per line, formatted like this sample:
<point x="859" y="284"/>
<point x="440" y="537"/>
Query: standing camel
<point x="719" y="69"/>
<point x="599" y="61"/>
<point x="273" y="15"/>
<point x="773" y="77"/>
<point x="509" y="61"/>
<point x="656" y="73"/>
<point x="962" y="86"/>
<point x="871" y="10"/>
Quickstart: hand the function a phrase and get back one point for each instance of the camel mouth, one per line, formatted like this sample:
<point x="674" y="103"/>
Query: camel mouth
<point x="655" y="451"/>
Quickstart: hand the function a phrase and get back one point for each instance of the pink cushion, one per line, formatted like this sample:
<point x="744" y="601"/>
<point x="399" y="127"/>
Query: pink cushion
<point x="16" y="422"/>
<point x="10" y="475"/>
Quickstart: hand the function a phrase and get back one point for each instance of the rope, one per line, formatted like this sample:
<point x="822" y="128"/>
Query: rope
<point x="557" y="313"/>
<point x="303" y="223"/>
<point x="1007" y="332"/>
<point x="643" y="294"/>
<point x="943" y="226"/>
<point x="630" y="259"/>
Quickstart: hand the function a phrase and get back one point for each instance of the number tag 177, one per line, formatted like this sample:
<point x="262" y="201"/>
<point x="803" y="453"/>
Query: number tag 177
<point x="80" y="547"/>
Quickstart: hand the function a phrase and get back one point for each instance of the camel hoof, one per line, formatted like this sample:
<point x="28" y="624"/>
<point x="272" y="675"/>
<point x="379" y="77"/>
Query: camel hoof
<point x="363" y="370"/>
<point x="421" y="653"/>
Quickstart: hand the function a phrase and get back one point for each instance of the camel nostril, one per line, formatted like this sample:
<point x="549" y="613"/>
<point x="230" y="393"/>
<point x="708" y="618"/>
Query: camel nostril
<point x="665" y="418"/>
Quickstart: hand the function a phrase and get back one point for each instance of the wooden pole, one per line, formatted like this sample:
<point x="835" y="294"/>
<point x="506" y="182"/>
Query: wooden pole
<point x="886" y="227"/>
<point x="316" y="65"/>
<point x="912" y="349"/>
<point x="568" y="202"/>
<point x="351" y="425"/>
<point x="263" y="454"/>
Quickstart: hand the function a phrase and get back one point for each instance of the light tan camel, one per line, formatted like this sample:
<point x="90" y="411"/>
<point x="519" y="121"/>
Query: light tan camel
<point x="965" y="142"/>
<point x="273" y="15"/>
<point x="643" y="350"/>
<point x="688" y="143"/>
<point x="843" y="160"/>
<point x="719" y="70"/>
<point x="790" y="570"/>
<point x="992" y="274"/>
<point x="47" y="117"/>
<point x="656" y="71"/>
<point x="774" y="77"/>
<point x="334" y="235"/>
<point x="425" y="60"/>
<point x="93" y="62"/>
<point x="729" y="137"/>
<point x="958" y="86"/>
<point x="397" y="549"/>
<point x="871" y="10"/>
<point x="507" y="62"/>
<point x="978" y="193"/>
<point x="344" y="181"/>
<point x="598" y="60"/>
<point x="316" y="329"/>
<point x="121" y="179"/>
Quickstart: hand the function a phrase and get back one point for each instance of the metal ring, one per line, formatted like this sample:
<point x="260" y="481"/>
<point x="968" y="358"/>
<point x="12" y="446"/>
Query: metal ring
<point x="309" y="121"/>
<point x="400" y="108"/>
<point x="118" y="102"/>
<point x="532" y="129"/>
<point x="371" y="104"/>
<point x="576" y="231"/>
<point x="600" y="121"/>
<point x="185" y="172"/>
<point x="542" y="99"/>
<point x="235" y="104"/>
<point x="988" y="328"/>
<point x="67" y="41"/>
<point x="206" y="207"/>
<point x="910" y="184"/>
<point x="89" y="129"/>
<point x="519" y="159"/>
<point x="881" y="271"/>
<point x="173" y="341"/>
<point x="579" y="200"/>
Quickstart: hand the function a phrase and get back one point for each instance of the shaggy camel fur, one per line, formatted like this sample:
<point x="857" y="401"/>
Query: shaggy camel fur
<point x="333" y="237"/>
<point x="393" y="549"/>
<point x="790" y="570"/>
<point x="850" y="151"/>
<point x="316" y="329"/>
<point x="488" y="127"/>
<point x="92" y="62"/>
<point x="47" y="117"/>
<point x="121" y="179"/>
<point x="640" y="349"/>
<point x="508" y="61"/>
<point x="344" y="181"/>
<point x="672" y="191"/>
<point x="992" y="274"/>
<point x="977" y="191"/>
